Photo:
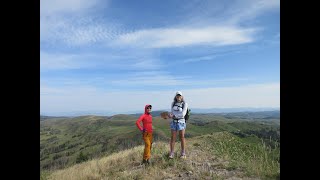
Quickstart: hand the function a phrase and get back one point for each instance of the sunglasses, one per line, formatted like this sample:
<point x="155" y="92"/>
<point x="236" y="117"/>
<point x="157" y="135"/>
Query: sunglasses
<point x="149" y="107"/>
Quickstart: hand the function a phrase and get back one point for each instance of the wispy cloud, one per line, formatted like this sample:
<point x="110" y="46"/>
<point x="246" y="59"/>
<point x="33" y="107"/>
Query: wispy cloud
<point x="108" y="60"/>
<point x="177" y="37"/>
<point x="49" y="7"/>
<point x="65" y="61"/>
<point x="72" y="22"/>
<point x="67" y="22"/>
<point x="255" y="95"/>
<point x="144" y="79"/>
<point x="165" y="79"/>
<point x="149" y="64"/>
<point x="224" y="13"/>
<point x="244" y="10"/>
<point x="75" y="31"/>
<point x="59" y="61"/>
<point x="88" y="33"/>
<point x="134" y="79"/>
<point x="211" y="56"/>
<point x="44" y="90"/>
<point x="202" y="58"/>
<point x="150" y="80"/>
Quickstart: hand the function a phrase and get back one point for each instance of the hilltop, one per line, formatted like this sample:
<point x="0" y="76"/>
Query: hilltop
<point x="219" y="155"/>
<point x="67" y="142"/>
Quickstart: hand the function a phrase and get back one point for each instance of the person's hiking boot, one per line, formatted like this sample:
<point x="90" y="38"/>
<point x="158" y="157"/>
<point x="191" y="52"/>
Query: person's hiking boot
<point x="144" y="161"/>
<point x="183" y="156"/>
<point x="171" y="156"/>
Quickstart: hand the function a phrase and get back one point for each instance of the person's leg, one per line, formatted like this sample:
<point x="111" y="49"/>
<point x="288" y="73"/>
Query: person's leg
<point x="172" y="142"/>
<point x="173" y="127"/>
<point x="147" y="143"/>
<point x="182" y="128"/>
<point x="151" y="141"/>
<point x="183" y="141"/>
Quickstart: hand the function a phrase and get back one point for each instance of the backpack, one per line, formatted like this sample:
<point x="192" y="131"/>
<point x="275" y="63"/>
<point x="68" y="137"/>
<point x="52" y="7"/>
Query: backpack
<point x="186" y="117"/>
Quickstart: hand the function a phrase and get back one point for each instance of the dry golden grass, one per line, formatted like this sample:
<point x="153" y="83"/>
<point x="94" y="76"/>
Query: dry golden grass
<point x="201" y="163"/>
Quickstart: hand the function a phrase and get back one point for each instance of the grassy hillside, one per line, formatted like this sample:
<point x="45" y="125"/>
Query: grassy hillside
<point x="218" y="155"/>
<point x="65" y="142"/>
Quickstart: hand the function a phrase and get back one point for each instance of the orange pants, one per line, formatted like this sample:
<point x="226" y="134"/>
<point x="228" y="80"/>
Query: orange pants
<point x="147" y="137"/>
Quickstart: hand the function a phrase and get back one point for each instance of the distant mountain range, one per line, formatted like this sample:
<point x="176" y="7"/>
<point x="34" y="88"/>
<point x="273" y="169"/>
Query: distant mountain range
<point x="231" y="110"/>
<point x="157" y="112"/>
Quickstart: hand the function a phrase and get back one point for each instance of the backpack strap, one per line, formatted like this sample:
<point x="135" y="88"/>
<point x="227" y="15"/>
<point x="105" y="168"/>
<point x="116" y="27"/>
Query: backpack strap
<point x="178" y="106"/>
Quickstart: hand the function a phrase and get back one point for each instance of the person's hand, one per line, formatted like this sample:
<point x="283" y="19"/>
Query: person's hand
<point x="170" y="115"/>
<point x="143" y="130"/>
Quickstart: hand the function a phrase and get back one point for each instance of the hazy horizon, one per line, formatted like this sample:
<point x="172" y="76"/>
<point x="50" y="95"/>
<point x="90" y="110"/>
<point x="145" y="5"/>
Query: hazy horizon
<point x="195" y="110"/>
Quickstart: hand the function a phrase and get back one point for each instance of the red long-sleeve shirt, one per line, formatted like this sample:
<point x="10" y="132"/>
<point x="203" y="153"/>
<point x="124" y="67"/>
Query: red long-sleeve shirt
<point x="146" y="119"/>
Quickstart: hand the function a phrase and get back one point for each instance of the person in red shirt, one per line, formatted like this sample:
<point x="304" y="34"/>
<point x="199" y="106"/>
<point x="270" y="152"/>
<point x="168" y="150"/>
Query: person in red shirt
<point x="146" y="130"/>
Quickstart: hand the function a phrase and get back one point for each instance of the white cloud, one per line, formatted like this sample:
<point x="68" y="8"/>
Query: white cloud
<point x="88" y="34"/>
<point x="257" y="95"/>
<point x="164" y="79"/>
<point x="73" y="23"/>
<point x="224" y="13"/>
<point x="44" y="90"/>
<point x="147" y="64"/>
<point x="56" y="61"/>
<point x="209" y="57"/>
<point x="150" y="80"/>
<point x="84" y="98"/>
<point x="176" y="37"/>
<point x="79" y="27"/>
<point x="139" y="78"/>
<point x="50" y="7"/>
<point x="76" y="31"/>
<point x="244" y="10"/>
<point x="108" y="60"/>
<point x="202" y="58"/>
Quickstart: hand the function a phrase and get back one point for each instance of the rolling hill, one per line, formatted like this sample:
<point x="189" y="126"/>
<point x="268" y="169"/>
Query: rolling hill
<point x="65" y="142"/>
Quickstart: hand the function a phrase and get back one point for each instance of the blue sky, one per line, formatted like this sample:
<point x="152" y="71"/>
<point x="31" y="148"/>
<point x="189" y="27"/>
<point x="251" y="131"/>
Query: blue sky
<point x="116" y="55"/>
